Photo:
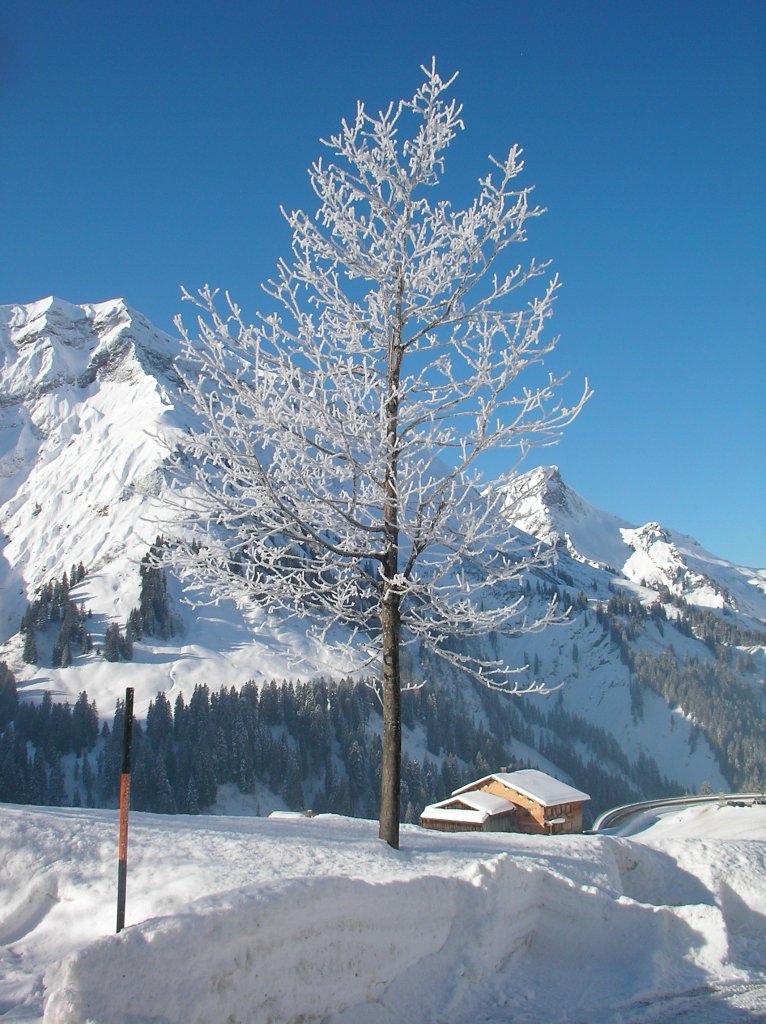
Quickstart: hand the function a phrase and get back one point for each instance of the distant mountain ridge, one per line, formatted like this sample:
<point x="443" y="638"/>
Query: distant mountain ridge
<point x="544" y="506"/>
<point x="89" y="407"/>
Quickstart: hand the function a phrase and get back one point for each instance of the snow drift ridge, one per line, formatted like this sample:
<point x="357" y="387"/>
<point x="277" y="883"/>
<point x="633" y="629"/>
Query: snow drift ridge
<point x="424" y="949"/>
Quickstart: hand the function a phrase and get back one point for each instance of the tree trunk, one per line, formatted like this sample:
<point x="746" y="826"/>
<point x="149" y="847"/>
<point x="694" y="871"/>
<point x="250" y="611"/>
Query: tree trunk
<point x="390" y="778"/>
<point x="390" y="600"/>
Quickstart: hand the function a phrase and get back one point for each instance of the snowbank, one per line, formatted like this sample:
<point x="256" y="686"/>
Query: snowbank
<point x="315" y="920"/>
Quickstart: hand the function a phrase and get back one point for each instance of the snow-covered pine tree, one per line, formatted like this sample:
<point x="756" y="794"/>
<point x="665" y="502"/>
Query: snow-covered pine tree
<point x="9" y="695"/>
<point x="29" y="654"/>
<point x="112" y="642"/>
<point x="337" y="465"/>
<point x="154" y="616"/>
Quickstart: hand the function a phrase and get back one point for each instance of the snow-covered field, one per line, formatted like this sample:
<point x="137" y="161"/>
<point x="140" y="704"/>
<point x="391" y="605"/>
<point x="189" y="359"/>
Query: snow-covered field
<point x="265" y="920"/>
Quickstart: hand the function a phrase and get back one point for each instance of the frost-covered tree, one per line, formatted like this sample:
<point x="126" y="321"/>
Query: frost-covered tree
<point x="339" y="455"/>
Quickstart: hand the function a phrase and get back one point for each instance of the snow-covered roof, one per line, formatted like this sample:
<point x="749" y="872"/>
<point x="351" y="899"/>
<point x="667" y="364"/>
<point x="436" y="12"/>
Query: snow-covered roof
<point x="538" y="786"/>
<point x="476" y="808"/>
<point x="436" y="813"/>
<point x="484" y="802"/>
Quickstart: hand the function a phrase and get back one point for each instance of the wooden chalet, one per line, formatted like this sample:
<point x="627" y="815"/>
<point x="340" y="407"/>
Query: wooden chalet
<point x="527" y="801"/>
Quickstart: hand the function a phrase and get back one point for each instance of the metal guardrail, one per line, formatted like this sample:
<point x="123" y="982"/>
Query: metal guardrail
<point x="618" y="815"/>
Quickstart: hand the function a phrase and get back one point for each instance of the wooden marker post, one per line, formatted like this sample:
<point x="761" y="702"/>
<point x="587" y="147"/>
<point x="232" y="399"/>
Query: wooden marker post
<point x="122" y="864"/>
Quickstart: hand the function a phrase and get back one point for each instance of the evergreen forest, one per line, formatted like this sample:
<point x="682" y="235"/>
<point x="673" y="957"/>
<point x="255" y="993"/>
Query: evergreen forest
<point x="317" y="744"/>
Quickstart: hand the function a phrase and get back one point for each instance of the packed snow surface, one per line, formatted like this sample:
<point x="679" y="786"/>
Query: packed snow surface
<point x="285" y="920"/>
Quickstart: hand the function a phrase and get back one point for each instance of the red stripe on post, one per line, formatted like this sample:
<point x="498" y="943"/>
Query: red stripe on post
<point x="122" y="853"/>
<point x="122" y="848"/>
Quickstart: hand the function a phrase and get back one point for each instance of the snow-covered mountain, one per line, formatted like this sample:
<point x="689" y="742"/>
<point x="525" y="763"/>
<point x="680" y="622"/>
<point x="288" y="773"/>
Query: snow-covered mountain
<point x="85" y="406"/>
<point x="88" y="413"/>
<point x="89" y="407"/>
<point x="650" y="555"/>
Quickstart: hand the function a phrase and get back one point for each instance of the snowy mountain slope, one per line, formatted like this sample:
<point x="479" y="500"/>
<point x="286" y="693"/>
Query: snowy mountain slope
<point x="83" y="421"/>
<point x="666" y="558"/>
<point x="316" y="920"/>
<point x="597" y="687"/>
<point x="541" y="503"/>
<point x="89" y="404"/>
<point x="89" y="409"/>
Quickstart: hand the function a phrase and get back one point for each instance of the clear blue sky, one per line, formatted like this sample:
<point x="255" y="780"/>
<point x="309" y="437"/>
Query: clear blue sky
<point x="147" y="145"/>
